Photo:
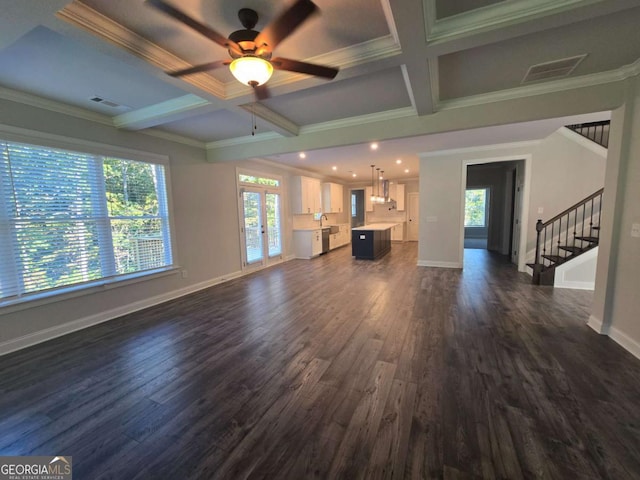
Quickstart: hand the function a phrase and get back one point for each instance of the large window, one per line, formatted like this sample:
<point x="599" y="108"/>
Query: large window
<point x="475" y="207"/>
<point x="69" y="219"/>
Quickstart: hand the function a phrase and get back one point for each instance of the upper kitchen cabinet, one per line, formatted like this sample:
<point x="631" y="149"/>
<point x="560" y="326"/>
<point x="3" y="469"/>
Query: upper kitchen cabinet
<point x="306" y="195"/>
<point x="332" y="198"/>
<point x="396" y="192"/>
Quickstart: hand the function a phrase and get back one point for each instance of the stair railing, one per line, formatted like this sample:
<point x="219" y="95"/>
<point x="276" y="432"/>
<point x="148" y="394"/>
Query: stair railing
<point x="554" y="242"/>
<point x="595" y="131"/>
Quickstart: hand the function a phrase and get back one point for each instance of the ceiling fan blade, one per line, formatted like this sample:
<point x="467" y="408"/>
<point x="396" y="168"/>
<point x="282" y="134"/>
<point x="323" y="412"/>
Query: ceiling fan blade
<point x="262" y="92"/>
<point x="285" y="24"/>
<point x="199" y="68"/>
<point x="197" y="26"/>
<point x="280" y="63"/>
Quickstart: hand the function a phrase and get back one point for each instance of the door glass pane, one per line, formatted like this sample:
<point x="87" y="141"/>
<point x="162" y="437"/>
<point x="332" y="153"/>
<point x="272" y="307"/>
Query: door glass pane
<point x="273" y="223"/>
<point x="252" y="226"/>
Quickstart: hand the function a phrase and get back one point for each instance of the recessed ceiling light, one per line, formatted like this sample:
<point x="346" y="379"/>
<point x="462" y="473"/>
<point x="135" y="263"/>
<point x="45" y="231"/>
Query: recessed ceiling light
<point x="374" y="146"/>
<point x="303" y="155"/>
<point x="334" y="168"/>
<point x="406" y="170"/>
<point x="398" y="161"/>
<point x="354" y="175"/>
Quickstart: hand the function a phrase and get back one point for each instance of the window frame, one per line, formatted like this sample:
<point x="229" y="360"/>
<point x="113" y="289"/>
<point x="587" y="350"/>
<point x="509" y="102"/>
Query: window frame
<point x="487" y="191"/>
<point x="46" y="140"/>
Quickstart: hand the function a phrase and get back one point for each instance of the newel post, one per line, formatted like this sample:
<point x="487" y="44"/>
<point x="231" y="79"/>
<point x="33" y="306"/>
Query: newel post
<point x="539" y="228"/>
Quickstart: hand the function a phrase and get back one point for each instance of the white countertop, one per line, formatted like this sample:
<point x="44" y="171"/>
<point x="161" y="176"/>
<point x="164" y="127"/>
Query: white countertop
<point x="377" y="226"/>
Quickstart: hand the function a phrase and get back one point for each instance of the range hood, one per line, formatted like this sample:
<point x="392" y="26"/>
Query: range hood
<point x="385" y="192"/>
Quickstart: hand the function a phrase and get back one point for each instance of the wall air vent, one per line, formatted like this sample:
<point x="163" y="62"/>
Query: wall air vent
<point x="107" y="103"/>
<point x="554" y="69"/>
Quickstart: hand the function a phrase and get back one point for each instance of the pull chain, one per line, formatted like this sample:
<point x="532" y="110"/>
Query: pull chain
<point x="254" y="127"/>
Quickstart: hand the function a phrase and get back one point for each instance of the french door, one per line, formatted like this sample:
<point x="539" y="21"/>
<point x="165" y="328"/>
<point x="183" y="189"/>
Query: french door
<point x="261" y="226"/>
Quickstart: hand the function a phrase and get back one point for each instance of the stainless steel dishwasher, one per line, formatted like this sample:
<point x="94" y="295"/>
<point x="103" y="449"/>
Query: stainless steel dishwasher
<point x="325" y="239"/>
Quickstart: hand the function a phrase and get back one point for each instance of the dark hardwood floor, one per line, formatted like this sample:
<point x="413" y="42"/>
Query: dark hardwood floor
<point x="336" y="368"/>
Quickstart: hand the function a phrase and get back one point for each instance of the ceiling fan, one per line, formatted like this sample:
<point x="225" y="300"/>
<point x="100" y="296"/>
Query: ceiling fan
<point x="251" y="51"/>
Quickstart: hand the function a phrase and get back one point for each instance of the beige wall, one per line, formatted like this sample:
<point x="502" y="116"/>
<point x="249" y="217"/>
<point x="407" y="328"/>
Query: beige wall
<point x="563" y="170"/>
<point x="205" y="226"/>
<point x="440" y="212"/>
<point x="616" y="299"/>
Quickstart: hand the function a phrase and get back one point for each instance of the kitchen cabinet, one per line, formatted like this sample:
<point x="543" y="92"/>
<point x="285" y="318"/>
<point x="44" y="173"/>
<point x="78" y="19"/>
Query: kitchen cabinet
<point x="397" y="232"/>
<point x="396" y="192"/>
<point x="332" y="198"/>
<point x="305" y="195"/>
<point x="341" y="238"/>
<point x="307" y="243"/>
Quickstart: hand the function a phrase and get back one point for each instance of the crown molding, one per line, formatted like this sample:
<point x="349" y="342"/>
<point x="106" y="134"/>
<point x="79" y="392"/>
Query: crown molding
<point x="83" y="16"/>
<point x="481" y="148"/>
<point x="359" y="120"/>
<point x="496" y="16"/>
<point x="547" y="87"/>
<point x="53" y="106"/>
<point x="391" y="23"/>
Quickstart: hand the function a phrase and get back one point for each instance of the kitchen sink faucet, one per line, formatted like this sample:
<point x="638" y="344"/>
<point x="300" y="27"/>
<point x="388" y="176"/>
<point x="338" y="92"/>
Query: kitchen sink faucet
<point x="325" y="217"/>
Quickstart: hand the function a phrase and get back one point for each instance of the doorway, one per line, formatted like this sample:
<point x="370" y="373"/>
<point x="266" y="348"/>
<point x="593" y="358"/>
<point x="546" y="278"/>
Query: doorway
<point x="357" y="208"/>
<point x="260" y="207"/>
<point x="493" y="207"/>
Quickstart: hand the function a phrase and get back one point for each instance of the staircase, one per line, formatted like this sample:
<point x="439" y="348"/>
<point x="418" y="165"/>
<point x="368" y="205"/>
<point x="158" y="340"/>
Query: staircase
<point x="566" y="236"/>
<point x="577" y="229"/>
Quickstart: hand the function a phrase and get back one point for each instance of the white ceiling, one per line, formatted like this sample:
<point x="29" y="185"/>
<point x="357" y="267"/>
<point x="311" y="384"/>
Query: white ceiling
<point x="403" y="59"/>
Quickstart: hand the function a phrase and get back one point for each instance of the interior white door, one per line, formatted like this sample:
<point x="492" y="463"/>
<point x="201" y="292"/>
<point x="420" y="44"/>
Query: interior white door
<point x="413" y="216"/>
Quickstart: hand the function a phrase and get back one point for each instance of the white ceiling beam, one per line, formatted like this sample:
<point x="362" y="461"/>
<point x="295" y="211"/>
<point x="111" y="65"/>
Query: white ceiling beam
<point x="599" y="97"/>
<point x="408" y="17"/>
<point x="163" y="112"/>
<point x="276" y="122"/>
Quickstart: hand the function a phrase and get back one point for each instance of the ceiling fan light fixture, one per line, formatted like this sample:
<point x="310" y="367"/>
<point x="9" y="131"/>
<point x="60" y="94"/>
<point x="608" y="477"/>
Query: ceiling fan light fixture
<point x="251" y="71"/>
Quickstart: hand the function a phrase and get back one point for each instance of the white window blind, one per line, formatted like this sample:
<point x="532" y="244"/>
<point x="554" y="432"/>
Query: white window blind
<point x="69" y="218"/>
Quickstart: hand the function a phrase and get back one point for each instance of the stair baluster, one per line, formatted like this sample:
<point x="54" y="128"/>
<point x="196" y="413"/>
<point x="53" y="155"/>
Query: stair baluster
<point x="551" y="232"/>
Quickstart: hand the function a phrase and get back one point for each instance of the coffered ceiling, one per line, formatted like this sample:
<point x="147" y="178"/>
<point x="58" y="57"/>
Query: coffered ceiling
<point x="400" y="61"/>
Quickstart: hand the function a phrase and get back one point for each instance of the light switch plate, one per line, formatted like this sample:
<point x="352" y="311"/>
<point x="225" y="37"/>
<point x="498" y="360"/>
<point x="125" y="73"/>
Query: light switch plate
<point x="635" y="230"/>
<point x="540" y="210"/>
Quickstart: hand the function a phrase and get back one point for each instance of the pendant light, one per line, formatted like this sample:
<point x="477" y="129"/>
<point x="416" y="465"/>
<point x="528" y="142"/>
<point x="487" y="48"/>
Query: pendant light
<point x="373" y="193"/>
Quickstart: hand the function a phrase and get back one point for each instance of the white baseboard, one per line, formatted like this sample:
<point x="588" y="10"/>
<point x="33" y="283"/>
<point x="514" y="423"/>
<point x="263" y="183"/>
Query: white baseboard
<point x="625" y="341"/>
<point x="429" y="263"/>
<point x="596" y="324"/>
<point x="621" y="338"/>
<point x="575" y="285"/>
<point x="82" y="323"/>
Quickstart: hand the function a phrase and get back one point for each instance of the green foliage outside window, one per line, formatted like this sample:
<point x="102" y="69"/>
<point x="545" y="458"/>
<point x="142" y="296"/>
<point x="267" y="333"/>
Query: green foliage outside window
<point x="475" y="207"/>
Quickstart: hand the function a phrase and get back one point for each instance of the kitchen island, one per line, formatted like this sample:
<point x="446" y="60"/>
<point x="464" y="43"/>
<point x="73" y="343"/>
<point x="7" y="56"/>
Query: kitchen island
<point x="371" y="241"/>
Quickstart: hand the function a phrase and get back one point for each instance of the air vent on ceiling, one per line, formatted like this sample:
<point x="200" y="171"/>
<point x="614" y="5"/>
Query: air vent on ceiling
<point x="554" y="69"/>
<point x="108" y="103"/>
